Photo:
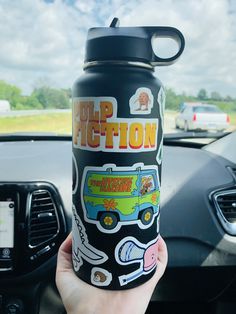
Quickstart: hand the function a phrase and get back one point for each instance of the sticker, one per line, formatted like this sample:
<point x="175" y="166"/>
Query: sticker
<point x="100" y="277"/>
<point x="129" y="251"/>
<point x="141" y="102"/>
<point x="97" y="128"/>
<point x="158" y="224"/>
<point x="113" y="196"/>
<point x="160" y="152"/>
<point x="81" y="247"/>
<point x="161" y="98"/>
<point x="75" y="180"/>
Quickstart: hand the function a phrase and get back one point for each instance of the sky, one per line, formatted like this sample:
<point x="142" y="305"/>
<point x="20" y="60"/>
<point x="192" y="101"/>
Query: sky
<point x="42" y="41"/>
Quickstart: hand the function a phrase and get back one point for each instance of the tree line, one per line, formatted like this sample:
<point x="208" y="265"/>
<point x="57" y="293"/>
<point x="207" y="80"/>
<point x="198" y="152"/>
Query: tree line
<point x="173" y="100"/>
<point x="45" y="97"/>
<point x="42" y="97"/>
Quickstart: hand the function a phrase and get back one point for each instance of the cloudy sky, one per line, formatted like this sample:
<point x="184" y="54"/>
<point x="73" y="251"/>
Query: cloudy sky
<point x="43" y="40"/>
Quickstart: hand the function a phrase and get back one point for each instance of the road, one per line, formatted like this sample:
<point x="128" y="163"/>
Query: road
<point x="169" y="116"/>
<point x="24" y="113"/>
<point x="169" y="123"/>
<point x="169" y="119"/>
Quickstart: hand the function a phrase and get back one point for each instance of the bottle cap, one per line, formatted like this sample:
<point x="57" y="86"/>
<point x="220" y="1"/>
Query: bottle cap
<point x="116" y="43"/>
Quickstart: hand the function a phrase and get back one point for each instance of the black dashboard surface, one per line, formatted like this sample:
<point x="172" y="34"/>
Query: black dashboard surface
<point x="188" y="219"/>
<point x="197" y="243"/>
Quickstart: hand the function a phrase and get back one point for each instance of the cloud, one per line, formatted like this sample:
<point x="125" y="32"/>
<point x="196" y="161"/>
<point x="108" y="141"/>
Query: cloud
<point x="40" y="39"/>
<point x="47" y="39"/>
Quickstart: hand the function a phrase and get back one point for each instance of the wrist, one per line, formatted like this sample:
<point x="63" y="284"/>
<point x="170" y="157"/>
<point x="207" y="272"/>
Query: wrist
<point x="83" y="309"/>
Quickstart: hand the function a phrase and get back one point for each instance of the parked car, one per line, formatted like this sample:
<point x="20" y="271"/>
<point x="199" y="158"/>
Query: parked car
<point x="199" y="116"/>
<point x="4" y="106"/>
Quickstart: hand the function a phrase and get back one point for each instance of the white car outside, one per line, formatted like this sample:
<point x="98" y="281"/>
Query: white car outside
<point x="4" y="106"/>
<point x="198" y="116"/>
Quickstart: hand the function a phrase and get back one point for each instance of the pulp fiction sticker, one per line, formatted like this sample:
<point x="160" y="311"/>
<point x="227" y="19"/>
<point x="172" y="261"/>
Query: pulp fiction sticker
<point x="97" y="128"/>
<point x="113" y="196"/>
<point x="141" y="102"/>
<point x="129" y="251"/>
<point x="82" y="249"/>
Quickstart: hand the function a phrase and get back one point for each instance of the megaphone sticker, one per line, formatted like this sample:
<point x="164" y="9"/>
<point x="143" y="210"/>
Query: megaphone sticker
<point x="129" y="250"/>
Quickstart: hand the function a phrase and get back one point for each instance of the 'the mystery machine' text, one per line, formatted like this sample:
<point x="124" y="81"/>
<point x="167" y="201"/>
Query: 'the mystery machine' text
<point x="96" y="127"/>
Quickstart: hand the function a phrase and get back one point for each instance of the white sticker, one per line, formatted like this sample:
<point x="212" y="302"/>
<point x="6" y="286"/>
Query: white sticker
<point x="75" y="175"/>
<point x="113" y="196"/>
<point x="141" y="102"/>
<point x="97" y="128"/>
<point x="130" y="251"/>
<point x="100" y="277"/>
<point x="81" y="247"/>
<point x="158" y="224"/>
<point x="161" y="98"/>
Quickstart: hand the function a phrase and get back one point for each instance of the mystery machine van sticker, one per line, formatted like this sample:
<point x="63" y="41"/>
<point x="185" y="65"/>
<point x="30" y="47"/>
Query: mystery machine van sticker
<point x="97" y="128"/>
<point x="100" y="277"/>
<point x="81" y="247"/>
<point x="113" y="196"/>
<point x="130" y="250"/>
<point x="75" y="175"/>
<point x="161" y="98"/>
<point x="141" y="102"/>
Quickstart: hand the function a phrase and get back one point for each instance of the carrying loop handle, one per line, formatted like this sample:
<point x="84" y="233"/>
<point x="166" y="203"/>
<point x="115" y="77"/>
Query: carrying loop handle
<point x="166" y="32"/>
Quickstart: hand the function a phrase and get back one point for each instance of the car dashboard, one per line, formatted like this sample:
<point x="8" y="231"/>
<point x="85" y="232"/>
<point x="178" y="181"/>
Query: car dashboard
<point x="197" y="186"/>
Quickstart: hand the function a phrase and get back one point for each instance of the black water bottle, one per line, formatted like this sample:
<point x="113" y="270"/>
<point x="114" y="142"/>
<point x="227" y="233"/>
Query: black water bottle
<point x="118" y="107"/>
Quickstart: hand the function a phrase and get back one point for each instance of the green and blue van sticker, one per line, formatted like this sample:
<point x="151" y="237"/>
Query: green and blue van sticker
<point x="100" y="277"/>
<point x="161" y="99"/>
<point x="82" y="249"/>
<point x="114" y="196"/>
<point x="142" y="101"/>
<point x="129" y="251"/>
<point x="97" y="128"/>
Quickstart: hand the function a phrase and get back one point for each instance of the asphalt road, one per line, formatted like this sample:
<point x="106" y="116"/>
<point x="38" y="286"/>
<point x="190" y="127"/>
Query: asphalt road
<point x="169" y="119"/>
<point x="24" y="113"/>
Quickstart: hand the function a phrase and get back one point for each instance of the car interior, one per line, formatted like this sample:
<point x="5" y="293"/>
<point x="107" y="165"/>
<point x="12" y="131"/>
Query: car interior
<point x="198" y="223"/>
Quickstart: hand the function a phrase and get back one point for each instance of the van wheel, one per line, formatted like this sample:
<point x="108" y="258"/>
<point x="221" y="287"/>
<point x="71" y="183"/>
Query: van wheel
<point x="146" y="216"/>
<point x="108" y="220"/>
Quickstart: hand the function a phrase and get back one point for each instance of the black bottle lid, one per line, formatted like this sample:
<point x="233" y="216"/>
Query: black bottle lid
<point x="133" y="44"/>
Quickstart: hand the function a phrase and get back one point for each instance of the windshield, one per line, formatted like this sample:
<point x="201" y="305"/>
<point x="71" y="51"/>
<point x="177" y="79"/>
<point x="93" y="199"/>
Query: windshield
<point x="206" y="109"/>
<point x="42" y="54"/>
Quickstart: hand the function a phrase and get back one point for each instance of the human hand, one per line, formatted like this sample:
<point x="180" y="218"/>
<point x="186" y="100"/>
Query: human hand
<point x="79" y="297"/>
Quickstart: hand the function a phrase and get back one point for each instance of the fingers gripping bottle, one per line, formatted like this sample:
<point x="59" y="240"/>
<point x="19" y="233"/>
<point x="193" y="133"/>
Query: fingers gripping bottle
<point x="118" y="107"/>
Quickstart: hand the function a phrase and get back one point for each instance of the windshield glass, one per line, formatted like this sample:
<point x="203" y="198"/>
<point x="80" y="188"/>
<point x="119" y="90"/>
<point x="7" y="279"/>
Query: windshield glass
<point x="206" y="109"/>
<point x="42" y="54"/>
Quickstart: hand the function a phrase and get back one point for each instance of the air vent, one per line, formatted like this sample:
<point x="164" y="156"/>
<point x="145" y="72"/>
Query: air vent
<point x="225" y="202"/>
<point x="43" y="218"/>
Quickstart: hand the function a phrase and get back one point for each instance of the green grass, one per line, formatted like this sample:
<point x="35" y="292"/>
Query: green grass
<point x="233" y="119"/>
<point x="60" y="123"/>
